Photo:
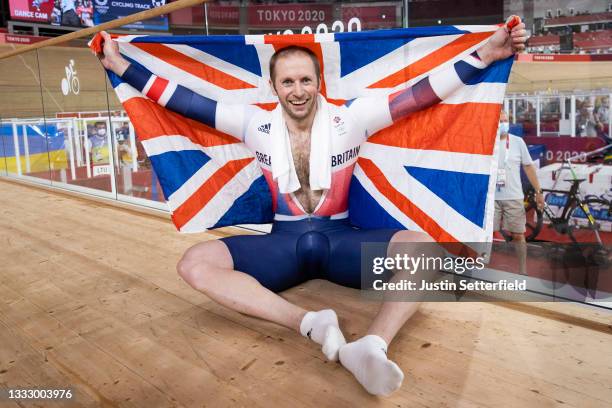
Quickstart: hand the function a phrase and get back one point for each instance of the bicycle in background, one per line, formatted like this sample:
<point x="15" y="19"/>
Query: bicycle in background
<point x="580" y="219"/>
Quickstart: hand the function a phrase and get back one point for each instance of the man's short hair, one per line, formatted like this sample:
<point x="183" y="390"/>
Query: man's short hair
<point x="294" y="49"/>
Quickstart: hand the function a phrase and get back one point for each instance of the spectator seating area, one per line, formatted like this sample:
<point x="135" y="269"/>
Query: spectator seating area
<point x="589" y="42"/>
<point x="593" y="40"/>
<point x="585" y="18"/>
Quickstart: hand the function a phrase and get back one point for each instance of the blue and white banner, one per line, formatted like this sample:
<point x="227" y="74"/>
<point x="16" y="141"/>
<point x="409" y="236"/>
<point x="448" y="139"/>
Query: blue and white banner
<point x="107" y="10"/>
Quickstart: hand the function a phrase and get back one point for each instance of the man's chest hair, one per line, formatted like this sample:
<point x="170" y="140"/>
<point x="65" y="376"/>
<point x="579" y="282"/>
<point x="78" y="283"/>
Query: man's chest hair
<point x="300" y="149"/>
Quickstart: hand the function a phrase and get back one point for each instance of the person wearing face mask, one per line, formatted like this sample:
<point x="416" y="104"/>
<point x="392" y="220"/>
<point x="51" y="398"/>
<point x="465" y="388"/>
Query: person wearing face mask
<point x="509" y="209"/>
<point x="98" y="144"/>
<point x="588" y="123"/>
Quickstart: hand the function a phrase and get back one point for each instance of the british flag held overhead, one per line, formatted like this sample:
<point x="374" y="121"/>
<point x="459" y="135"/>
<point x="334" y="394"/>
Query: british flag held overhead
<point x="431" y="171"/>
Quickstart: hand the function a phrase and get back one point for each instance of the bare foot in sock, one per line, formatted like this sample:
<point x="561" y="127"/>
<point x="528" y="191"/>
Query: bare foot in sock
<point x="322" y="327"/>
<point x="367" y="360"/>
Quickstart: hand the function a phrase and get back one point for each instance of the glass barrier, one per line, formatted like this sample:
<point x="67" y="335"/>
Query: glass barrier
<point x="549" y="116"/>
<point x="523" y="115"/>
<point x="29" y="146"/>
<point x="567" y="115"/>
<point x="2" y="154"/>
<point x="76" y="109"/>
<point x="135" y="180"/>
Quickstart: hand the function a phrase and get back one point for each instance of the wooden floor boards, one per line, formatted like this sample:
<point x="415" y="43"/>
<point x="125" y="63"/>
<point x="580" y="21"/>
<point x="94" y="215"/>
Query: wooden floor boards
<point x="89" y="299"/>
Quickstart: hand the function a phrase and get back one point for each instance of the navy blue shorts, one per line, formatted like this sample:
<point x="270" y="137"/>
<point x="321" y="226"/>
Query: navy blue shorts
<point x="297" y="251"/>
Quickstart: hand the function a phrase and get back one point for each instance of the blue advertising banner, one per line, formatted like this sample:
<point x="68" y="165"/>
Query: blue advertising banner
<point x="107" y="10"/>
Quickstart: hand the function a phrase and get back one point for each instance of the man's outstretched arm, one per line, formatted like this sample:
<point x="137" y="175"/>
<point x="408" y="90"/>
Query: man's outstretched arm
<point x="439" y="85"/>
<point x="167" y="93"/>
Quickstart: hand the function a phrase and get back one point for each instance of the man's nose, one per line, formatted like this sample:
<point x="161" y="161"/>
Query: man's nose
<point x="298" y="89"/>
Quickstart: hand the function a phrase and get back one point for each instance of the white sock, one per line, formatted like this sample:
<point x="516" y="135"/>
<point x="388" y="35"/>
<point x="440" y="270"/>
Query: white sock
<point x="322" y="327"/>
<point x="367" y="360"/>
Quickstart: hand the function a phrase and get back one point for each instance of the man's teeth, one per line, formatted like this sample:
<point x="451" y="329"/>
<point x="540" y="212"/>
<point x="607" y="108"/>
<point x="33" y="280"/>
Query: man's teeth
<point x="297" y="102"/>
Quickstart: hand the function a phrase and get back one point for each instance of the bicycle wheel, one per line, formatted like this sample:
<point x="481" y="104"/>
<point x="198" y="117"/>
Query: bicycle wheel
<point x="585" y="220"/>
<point x="535" y="219"/>
<point x="76" y="86"/>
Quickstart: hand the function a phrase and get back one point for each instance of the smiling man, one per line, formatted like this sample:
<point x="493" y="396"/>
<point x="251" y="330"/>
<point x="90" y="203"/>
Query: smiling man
<point x="307" y="149"/>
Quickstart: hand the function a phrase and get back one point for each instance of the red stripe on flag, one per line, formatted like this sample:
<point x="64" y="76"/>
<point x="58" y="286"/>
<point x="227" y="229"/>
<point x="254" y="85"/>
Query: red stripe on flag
<point x="432" y="60"/>
<point x="207" y="191"/>
<point x="337" y="102"/>
<point x="267" y="106"/>
<point x="150" y="120"/>
<point x="193" y="66"/>
<point x="282" y="40"/>
<point x="157" y="89"/>
<point x="406" y="206"/>
<point x="462" y="128"/>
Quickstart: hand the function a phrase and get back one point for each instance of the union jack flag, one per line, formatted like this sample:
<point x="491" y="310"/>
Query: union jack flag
<point x="432" y="171"/>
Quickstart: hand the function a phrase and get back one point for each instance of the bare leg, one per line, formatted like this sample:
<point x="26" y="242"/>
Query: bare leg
<point x="518" y="239"/>
<point x="366" y="358"/>
<point x="393" y="314"/>
<point x="391" y="317"/>
<point x="208" y="267"/>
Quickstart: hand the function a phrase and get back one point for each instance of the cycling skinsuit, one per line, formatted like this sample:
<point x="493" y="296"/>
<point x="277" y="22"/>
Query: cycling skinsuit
<point x="305" y="246"/>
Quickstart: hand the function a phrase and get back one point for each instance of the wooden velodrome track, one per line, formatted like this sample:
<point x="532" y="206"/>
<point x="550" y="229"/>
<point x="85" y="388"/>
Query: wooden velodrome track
<point x="89" y="299"/>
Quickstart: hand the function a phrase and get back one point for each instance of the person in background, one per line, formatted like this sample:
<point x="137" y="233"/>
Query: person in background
<point x="122" y="135"/>
<point x="98" y="134"/>
<point x="69" y="15"/>
<point x="509" y="209"/>
<point x="98" y="144"/>
<point x="602" y="112"/>
<point x="56" y="14"/>
<point x="85" y="13"/>
<point x="587" y="123"/>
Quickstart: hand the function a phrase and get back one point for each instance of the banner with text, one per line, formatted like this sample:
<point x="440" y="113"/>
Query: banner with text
<point x="289" y="16"/>
<point x="38" y="11"/>
<point x="107" y="10"/>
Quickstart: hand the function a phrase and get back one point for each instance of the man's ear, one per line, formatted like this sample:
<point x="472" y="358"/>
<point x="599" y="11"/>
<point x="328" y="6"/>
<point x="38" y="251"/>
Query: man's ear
<point x="272" y="87"/>
<point x="319" y="86"/>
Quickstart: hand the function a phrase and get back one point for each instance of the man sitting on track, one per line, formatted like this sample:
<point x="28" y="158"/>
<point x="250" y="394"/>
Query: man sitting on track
<point x="309" y="177"/>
